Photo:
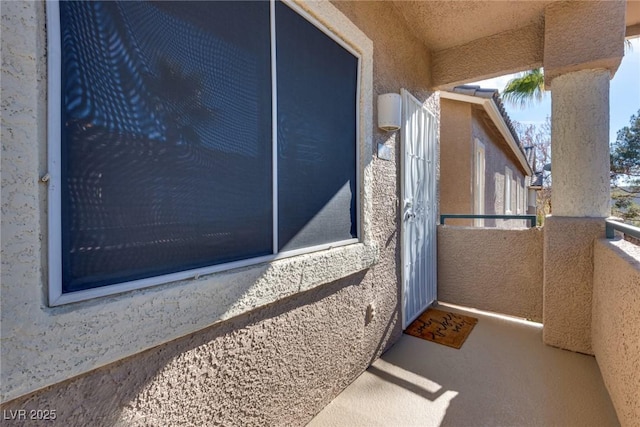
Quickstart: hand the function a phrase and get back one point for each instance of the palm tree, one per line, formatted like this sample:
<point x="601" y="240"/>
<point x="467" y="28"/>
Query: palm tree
<point x="526" y="88"/>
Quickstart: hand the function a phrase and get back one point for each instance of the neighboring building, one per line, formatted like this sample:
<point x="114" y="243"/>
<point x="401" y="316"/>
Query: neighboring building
<point x="197" y="231"/>
<point x="483" y="169"/>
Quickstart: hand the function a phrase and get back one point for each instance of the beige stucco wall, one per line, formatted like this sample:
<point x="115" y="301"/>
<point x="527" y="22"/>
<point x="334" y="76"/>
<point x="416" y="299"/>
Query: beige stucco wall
<point x="485" y="57"/>
<point x="456" y="160"/>
<point x="42" y="345"/>
<point x="595" y="39"/>
<point x="616" y="324"/>
<point x="498" y="155"/>
<point x="460" y="125"/>
<point x="491" y="269"/>
<point x="579" y="144"/>
<point x="568" y="281"/>
<point x="270" y="345"/>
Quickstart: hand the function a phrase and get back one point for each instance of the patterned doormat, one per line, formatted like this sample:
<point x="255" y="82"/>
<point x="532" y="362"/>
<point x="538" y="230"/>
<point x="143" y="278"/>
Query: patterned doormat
<point x="442" y="327"/>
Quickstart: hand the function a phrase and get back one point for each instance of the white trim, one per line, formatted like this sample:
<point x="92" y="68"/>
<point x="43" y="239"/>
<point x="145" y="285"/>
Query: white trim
<point x="359" y="183"/>
<point x="54" y="202"/>
<point x="479" y="182"/>
<point x="56" y="297"/>
<point x="518" y="195"/>
<point x="508" y="187"/>
<point x="188" y="274"/>
<point x="311" y="19"/>
<point x="496" y="116"/>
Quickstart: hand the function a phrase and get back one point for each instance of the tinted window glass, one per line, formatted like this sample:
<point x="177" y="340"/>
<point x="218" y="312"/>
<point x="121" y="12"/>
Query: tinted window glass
<point x="317" y="83"/>
<point x="166" y="138"/>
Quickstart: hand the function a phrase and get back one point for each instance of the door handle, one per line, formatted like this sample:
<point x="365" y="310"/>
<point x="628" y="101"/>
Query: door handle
<point x="409" y="215"/>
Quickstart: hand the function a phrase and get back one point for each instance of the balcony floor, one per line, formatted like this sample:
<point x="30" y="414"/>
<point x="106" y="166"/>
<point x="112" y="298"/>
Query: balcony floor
<point x="502" y="376"/>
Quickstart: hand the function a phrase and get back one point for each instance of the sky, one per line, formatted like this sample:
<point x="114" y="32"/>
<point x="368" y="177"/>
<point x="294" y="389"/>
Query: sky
<point x="624" y="94"/>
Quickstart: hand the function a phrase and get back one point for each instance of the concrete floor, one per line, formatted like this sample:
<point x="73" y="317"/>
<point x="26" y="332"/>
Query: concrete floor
<point x="502" y="376"/>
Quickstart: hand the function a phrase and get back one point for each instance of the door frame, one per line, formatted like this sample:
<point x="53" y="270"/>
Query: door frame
<point x="428" y="130"/>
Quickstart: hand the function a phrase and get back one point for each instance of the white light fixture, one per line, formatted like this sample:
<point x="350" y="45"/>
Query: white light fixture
<point x="389" y="111"/>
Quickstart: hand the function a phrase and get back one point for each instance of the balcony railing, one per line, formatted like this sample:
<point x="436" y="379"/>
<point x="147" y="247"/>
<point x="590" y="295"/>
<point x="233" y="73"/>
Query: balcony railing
<point x="531" y="218"/>
<point x="612" y="226"/>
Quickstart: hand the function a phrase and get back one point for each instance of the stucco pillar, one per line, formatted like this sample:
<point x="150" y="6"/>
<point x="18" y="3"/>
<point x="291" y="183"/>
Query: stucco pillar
<point x="583" y="48"/>
<point x="580" y="200"/>
<point x="580" y="144"/>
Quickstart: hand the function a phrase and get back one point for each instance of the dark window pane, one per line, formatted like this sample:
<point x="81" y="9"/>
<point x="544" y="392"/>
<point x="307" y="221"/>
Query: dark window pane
<point x="317" y="82"/>
<point x="166" y="139"/>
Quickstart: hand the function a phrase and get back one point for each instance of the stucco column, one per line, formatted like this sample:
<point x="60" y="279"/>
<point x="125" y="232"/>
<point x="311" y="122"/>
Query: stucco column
<point x="580" y="200"/>
<point x="580" y="144"/>
<point x="583" y="47"/>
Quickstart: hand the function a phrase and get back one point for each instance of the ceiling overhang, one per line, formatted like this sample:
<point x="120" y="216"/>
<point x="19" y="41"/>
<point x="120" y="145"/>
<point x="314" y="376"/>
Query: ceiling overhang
<point x="475" y="40"/>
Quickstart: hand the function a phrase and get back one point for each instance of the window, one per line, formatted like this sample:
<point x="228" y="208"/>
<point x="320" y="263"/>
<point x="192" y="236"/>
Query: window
<point x="479" y="182"/>
<point x="519" y="203"/>
<point x="508" y="177"/>
<point x="188" y="144"/>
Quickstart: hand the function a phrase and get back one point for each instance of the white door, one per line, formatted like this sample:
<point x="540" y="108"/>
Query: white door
<point x="419" y="208"/>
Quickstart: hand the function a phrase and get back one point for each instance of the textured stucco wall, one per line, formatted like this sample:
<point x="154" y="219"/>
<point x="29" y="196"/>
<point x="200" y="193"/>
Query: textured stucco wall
<point x="42" y="345"/>
<point x="580" y="144"/>
<point x="594" y="40"/>
<point x="498" y="154"/>
<point x="461" y="123"/>
<point x="492" y="269"/>
<point x="456" y="160"/>
<point x="276" y="364"/>
<point x="616" y="324"/>
<point x="568" y="281"/>
<point x="485" y="57"/>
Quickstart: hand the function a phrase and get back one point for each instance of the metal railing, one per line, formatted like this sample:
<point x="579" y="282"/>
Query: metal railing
<point x="531" y="218"/>
<point x="611" y="227"/>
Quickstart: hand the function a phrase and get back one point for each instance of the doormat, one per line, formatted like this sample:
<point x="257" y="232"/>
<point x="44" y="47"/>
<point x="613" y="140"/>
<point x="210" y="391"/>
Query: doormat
<point x="442" y="327"/>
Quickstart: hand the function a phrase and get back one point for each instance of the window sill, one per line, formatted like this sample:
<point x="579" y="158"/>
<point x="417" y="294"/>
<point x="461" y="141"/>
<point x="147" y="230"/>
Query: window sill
<point x="172" y="310"/>
<point x="246" y="287"/>
<point x="135" y="321"/>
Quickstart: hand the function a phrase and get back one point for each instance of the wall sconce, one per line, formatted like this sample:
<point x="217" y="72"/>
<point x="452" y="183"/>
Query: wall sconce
<point x="389" y="111"/>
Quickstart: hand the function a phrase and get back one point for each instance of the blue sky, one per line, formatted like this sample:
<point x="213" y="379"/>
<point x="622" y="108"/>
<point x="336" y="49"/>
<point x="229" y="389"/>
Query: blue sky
<point x="624" y="94"/>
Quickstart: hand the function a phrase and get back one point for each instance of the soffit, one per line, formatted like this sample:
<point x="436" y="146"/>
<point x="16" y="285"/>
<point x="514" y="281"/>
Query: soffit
<point x="633" y="18"/>
<point x="444" y="24"/>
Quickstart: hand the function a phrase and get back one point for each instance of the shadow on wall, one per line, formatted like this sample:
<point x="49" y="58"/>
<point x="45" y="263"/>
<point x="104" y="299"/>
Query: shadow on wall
<point x="257" y="359"/>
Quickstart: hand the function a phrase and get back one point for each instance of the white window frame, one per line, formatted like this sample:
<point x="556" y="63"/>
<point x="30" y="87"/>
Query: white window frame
<point x="508" y="178"/>
<point x="518" y="196"/>
<point x="56" y="297"/>
<point x="479" y="181"/>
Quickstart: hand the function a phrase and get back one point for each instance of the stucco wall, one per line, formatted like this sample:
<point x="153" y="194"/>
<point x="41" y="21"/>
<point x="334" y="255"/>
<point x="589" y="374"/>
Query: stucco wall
<point x="456" y="160"/>
<point x="491" y="269"/>
<point x="568" y="281"/>
<point x="273" y="361"/>
<point x="595" y="40"/>
<point x="42" y="345"/>
<point x="497" y="156"/>
<point x="579" y="144"/>
<point x="616" y="324"/>
<point x="485" y="57"/>
<point x="461" y="124"/>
